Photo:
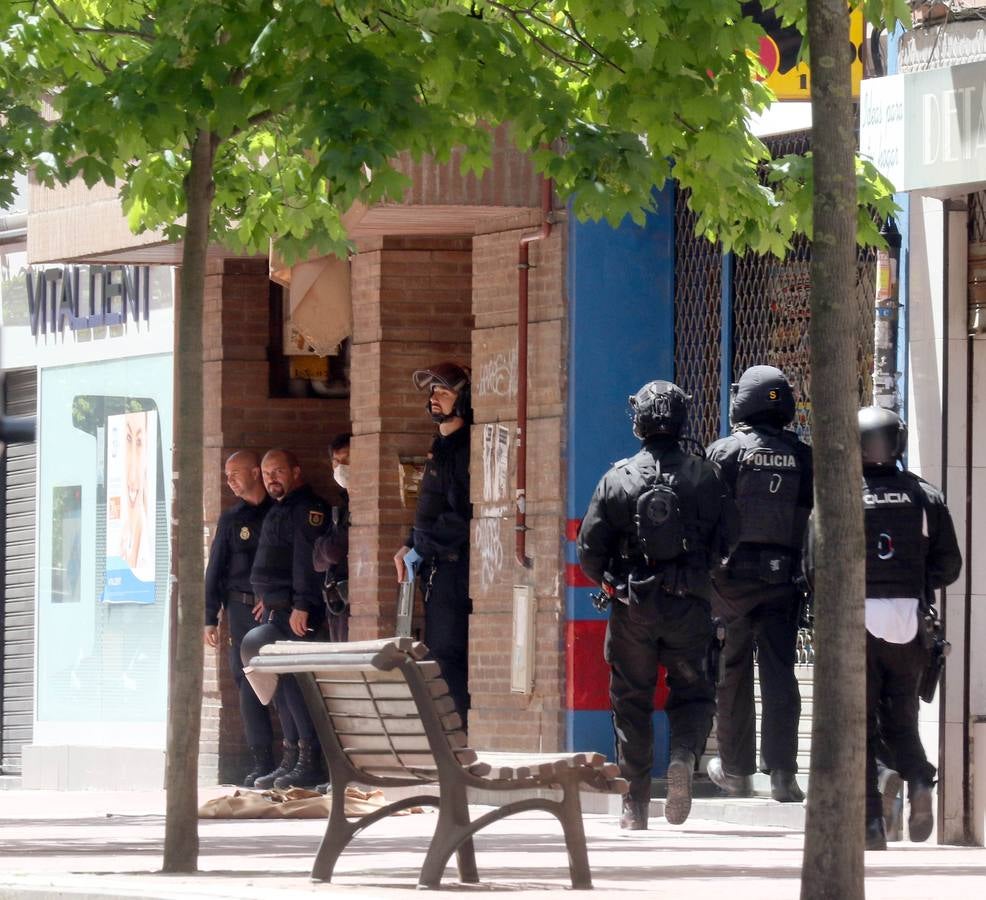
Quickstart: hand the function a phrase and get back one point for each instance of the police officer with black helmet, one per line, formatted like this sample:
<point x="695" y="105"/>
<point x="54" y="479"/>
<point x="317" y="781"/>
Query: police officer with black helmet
<point x="440" y="536"/>
<point x="770" y="473"/>
<point x="656" y="524"/>
<point x="911" y="551"/>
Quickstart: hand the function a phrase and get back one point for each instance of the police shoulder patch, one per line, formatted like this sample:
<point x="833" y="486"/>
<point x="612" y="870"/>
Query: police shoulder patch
<point x="315" y="517"/>
<point x="244" y="533"/>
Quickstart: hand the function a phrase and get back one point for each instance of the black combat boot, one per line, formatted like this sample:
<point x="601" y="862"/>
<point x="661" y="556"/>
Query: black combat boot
<point x="307" y="771"/>
<point x="784" y="787"/>
<point x="678" y="804"/>
<point x="263" y="762"/>
<point x="289" y="759"/>
<point x="732" y="785"/>
<point x="876" y="836"/>
<point x="920" y="821"/>
<point x="889" y="782"/>
<point x="634" y="817"/>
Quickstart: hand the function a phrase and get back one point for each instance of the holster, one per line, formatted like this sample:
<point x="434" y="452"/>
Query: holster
<point x="715" y="663"/>
<point x="336" y="596"/>
<point x="932" y="636"/>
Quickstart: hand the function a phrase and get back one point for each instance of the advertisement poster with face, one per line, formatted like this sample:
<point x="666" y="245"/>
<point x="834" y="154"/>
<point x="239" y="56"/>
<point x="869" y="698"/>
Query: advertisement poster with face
<point x="131" y="498"/>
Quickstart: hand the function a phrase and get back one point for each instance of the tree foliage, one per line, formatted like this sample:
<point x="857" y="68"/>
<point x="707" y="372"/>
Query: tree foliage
<point x="311" y="101"/>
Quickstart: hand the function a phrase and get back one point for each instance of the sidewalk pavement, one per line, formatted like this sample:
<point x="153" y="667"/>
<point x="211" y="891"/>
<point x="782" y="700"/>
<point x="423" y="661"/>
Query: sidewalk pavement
<point x="108" y="845"/>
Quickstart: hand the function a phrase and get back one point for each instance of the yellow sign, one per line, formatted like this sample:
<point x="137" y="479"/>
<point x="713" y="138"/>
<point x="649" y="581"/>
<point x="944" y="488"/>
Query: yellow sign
<point x="790" y="79"/>
<point x="309" y="367"/>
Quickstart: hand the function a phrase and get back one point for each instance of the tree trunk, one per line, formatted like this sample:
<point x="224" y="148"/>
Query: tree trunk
<point x="181" y="836"/>
<point x="833" y="856"/>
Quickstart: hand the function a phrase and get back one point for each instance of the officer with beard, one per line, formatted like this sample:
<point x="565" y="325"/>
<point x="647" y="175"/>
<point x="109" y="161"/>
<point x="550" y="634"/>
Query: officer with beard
<point x="440" y="536"/>
<point x="285" y="580"/>
<point x="656" y="524"/>
<point x="770" y="473"/>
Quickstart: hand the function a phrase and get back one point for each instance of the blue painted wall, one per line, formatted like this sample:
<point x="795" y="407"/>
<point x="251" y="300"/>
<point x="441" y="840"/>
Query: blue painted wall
<point x="621" y="321"/>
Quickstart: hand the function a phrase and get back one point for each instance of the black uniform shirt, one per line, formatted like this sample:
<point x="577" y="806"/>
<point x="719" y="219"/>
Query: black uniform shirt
<point x="441" y="518"/>
<point x="231" y="555"/>
<point x="283" y="575"/>
<point x="609" y="526"/>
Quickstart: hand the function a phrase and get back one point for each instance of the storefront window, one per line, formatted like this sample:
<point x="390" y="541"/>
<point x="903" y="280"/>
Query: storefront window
<point x="103" y="552"/>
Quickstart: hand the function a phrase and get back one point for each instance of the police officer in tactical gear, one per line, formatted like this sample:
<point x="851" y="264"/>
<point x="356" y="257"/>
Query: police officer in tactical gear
<point x="911" y="551"/>
<point x="440" y="535"/>
<point x="331" y="553"/>
<point x="770" y="473"/>
<point x="293" y="609"/>
<point x="228" y="592"/>
<point x="656" y="524"/>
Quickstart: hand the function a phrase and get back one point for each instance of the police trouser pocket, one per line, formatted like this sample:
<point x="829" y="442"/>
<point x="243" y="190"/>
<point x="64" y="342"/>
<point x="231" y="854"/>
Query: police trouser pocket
<point x="643" y="595"/>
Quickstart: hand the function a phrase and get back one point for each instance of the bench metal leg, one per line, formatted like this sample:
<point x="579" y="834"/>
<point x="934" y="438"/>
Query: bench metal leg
<point x="454" y="832"/>
<point x="340" y="831"/>
<point x="570" y="816"/>
<point x="338" y="834"/>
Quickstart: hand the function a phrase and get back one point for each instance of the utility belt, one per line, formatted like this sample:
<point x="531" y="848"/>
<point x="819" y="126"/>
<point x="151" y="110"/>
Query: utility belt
<point x="276" y="600"/>
<point x="241" y="597"/>
<point x="645" y="583"/>
<point x="771" y="565"/>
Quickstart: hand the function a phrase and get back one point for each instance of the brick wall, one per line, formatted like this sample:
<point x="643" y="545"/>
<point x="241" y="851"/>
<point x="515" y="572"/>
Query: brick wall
<point x="500" y="719"/>
<point x="239" y="415"/>
<point x="412" y="308"/>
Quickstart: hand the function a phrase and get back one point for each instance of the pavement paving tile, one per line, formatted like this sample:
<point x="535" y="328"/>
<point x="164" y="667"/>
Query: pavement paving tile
<point x="108" y="845"/>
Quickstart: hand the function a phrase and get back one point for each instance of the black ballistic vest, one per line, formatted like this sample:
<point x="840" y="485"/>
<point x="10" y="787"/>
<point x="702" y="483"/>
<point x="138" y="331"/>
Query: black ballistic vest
<point x="896" y="535"/>
<point x="768" y="485"/>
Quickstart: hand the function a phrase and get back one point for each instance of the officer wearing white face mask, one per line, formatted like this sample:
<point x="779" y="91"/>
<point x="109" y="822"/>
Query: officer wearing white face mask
<point x="330" y="554"/>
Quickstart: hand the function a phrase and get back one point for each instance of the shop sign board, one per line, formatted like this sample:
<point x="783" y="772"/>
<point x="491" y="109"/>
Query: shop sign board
<point x="926" y="130"/>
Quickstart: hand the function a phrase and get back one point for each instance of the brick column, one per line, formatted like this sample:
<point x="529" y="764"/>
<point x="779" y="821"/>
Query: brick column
<point x="240" y="415"/>
<point x="412" y="308"/>
<point x="500" y="719"/>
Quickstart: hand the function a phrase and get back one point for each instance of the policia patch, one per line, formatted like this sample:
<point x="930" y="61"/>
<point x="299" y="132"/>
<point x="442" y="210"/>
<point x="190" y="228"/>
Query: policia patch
<point x="244" y="533"/>
<point x="315" y="518"/>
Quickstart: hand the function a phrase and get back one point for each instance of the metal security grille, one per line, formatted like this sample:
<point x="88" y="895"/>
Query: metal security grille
<point x="17" y="530"/>
<point x="698" y="322"/>
<point x="771" y="311"/>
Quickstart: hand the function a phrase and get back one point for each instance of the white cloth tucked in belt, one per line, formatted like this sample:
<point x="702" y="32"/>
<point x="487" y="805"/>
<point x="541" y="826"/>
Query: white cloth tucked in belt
<point x="892" y="619"/>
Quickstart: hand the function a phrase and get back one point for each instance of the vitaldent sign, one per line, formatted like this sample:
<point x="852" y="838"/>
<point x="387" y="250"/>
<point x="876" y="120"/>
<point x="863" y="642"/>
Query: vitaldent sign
<point x="926" y="130"/>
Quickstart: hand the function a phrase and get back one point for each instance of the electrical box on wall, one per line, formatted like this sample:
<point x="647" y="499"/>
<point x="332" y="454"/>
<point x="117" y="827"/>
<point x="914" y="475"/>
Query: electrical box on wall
<point x="522" y="644"/>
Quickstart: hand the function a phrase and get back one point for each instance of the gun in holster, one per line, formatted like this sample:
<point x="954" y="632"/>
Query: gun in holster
<point x="611" y="589"/>
<point x="932" y="635"/>
<point x="715" y="660"/>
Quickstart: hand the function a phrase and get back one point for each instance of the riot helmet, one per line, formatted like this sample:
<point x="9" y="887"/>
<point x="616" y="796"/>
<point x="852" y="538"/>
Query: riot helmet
<point x="448" y="375"/>
<point x="882" y="436"/>
<point x="659" y="407"/>
<point x="762" y="394"/>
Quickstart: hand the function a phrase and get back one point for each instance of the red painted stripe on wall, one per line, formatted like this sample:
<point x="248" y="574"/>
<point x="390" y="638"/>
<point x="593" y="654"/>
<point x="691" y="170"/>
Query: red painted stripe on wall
<point x="575" y="577"/>
<point x="572" y="529"/>
<point x="587" y="673"/>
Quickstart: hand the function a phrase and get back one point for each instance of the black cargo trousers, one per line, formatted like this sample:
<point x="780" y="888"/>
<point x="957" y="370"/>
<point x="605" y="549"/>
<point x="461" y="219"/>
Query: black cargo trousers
<point x="668" y="630"/>
<point x="447" y="610"/>
<point x="763" y="617"/>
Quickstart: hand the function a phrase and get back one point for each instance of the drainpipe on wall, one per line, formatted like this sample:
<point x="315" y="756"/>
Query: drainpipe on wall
<point x="523" y="269"/>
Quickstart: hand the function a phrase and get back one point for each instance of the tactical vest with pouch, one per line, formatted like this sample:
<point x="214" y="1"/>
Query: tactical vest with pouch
<point x="768" y="490"/>
<point x="896" y="535"/>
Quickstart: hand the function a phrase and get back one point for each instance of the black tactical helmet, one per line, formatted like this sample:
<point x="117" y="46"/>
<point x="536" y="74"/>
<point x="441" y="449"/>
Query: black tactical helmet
<point x="882" y="436"/>
<point x="761" y="392"/>
<point x="659" y="407"/>
<point x="448" y="375"/>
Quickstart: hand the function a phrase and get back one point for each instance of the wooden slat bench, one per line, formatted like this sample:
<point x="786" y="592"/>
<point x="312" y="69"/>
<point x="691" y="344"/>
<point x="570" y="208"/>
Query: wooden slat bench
<point x="384" y="718"/>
